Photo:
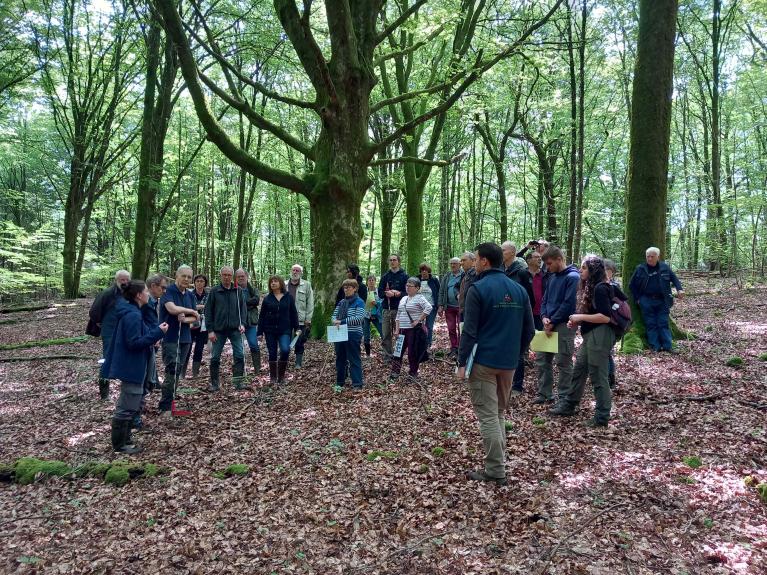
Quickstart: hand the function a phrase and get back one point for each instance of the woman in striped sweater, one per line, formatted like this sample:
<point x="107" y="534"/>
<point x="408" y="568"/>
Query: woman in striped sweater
<point x="411" y="316"/>
<point x="351" y="312"/>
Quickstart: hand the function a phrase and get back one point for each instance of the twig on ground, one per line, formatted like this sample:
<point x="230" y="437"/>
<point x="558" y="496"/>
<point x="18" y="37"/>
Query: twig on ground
<point x="754" y="404"/>
<point x="697" y="398"/>
<point x="45" y="357"/>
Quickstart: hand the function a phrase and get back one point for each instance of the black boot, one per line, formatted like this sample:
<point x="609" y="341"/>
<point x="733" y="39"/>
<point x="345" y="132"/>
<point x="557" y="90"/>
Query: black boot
<point x="103" y="389"/>
<point x="195" y="368"/>
<point x="611" y="379"/>
<point x="238" y="374"/>
<point x="282" y="367"/>
<point x="367" y="348"/>
<point x="272" y="372"/>
<point x="121" y="437"/>
<point x="256" y="356"/>
<point x="215" y="368"/>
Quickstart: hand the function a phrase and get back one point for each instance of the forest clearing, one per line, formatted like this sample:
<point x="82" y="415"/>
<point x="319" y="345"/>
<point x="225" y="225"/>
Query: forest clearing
<point x="373" y="482"/>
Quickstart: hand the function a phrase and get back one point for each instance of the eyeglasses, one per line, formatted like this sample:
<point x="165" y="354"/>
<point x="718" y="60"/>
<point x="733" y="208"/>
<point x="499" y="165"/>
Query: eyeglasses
<point x="393" y="260"/>
<point x="348" y="287"/>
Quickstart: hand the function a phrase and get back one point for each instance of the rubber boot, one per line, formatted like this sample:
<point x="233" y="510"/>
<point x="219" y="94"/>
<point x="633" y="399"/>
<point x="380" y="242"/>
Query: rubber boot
<point x="120" y="437"/>
<point x="256" y="356"/>
<point x="611" y="379"/>
<point x="367" y="348"/>
<point x="215" y="368"/>
<point x="272" y="372"/>
<point x="103" y="389"/>
<point x="299" y="360"/>
<point x="238" y="374"/>
<point x="282" y="367"/>
<point x="195" y="368"/>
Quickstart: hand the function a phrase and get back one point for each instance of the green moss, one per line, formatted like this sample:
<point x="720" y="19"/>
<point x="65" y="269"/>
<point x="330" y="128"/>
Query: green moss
<point x="236" y="469"/>
<point x="538" y="420"/>
<point x="762" y="490"/>
<point x="508" y="425"/>
<point x="735" y="361"/>
<point x="438" y="451"/>
<point x="26" y="468"/>
<point x="692" y="461"/>
<point x="44" y="342"/>
<point x="151" y="470"/>
<point x="7" y="473"/>
<point x="377" y="454"/>
<point x="117" y="475"/>
<point x="763" y="357"/>
<point x="92" y="469"/>
<point x="632" y="343"/>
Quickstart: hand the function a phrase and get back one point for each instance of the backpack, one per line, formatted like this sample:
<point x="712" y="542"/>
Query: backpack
<point x="620" y="314"/>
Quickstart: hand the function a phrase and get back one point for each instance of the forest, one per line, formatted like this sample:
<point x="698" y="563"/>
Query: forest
<point x="146" y="135"/>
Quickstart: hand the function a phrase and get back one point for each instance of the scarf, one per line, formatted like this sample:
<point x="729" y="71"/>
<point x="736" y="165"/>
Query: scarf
<point x="343" y="307"/>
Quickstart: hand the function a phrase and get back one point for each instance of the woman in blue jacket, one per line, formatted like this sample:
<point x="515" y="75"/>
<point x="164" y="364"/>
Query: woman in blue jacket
<point x="127" y="360"/>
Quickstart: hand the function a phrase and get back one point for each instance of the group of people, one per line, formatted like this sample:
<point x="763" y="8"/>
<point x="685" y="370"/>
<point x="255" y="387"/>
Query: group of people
<point x="493" y="300"/>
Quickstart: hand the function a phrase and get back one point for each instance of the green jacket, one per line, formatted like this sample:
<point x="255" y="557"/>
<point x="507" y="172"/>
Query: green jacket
<point x="225" y="309"/>
<point x="252" y="298"/>
<point x="304" y="301"/>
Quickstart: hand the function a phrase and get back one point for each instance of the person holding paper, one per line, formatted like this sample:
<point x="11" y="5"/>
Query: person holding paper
<point x="410" y="323"/>
<point x="557" y="306"/>
<point x="498" y="320"/>
<point x="594" y="305"/>
<point x="277" y="322"/>
<point x="351" y="312"/>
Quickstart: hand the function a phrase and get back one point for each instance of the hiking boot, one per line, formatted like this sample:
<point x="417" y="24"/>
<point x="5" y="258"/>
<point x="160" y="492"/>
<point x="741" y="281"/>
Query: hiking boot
<point x="595" y="423"/>
<point x="282" y="367"/>
<point x="367" y="349"/>
<point x="480" y="475"/>
<point x="541" y="400"/>
<point x="299" y="360"/>
<point x="238" y="374"/>
<point x="195" y="368"/>
<point x="272" y="372"/>
<point x="103" y="389"/>
<point x="563" y="409"/>
<point x="256" y="357"/>
<point x="215" y="369"/>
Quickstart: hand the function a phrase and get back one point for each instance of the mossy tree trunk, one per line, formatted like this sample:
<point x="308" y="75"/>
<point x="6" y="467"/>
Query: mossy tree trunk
<point x="650" y="134"/>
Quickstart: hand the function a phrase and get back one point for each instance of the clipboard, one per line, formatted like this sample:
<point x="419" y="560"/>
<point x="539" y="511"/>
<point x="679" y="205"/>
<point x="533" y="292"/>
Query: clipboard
<point x="338" y="333"/>
<point x="541" y="343"/>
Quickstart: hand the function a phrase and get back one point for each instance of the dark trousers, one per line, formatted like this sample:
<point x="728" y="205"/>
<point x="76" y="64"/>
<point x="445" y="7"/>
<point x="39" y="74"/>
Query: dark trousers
<point x="174" y="357"/>
<point x="199" y="339"/>
<point x="274" y="340"/>
<point x="129" y="402"/>
<point x="301" y="341"/>
<point x="412" y="355"/>
<point x="348" y="352"/>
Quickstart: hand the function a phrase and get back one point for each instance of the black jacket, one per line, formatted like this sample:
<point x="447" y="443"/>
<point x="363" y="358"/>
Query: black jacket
<point x="519" y="273"/>
<point x="393" y="281"/>
<point x="362" y="291"/>
<point x="278" y="316"/>
<point x="221" y="309"/>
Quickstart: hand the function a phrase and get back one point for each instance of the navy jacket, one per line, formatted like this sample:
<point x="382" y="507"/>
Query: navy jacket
<point x="642" y="276"/>
<point x="518" y="272"/>
<point x="498" y="318"/>
<point x="277" y="317"/>
<point x="393" y="281"/>
<point x="559" y="298"/>
<point x="130" y="348"/>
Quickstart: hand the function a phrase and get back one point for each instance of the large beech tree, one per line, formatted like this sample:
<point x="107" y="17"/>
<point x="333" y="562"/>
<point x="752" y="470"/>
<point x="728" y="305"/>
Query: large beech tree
<point x="340" y="65"/>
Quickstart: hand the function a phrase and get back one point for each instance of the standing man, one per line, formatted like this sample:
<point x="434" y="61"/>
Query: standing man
<point x="157" y="284"/>
<point x="177" y="308"/>
<point x="469" y="277"/>
<point x="391" y="288"/>
<point x="499" y="321"/>
<point x="448" y="302"/>
<point x="102" y="314"/>
<point x="225" y="317"/>
<point x="252" y="298"/>
<point x="651" y="287"/>
<point x="303" y="295"/>
<point x="556" y="308"/>
<point x="516" y="270"/>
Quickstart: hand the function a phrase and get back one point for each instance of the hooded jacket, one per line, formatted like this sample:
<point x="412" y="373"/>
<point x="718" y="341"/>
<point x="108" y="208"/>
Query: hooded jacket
<point x="560" y="295"/>
<point x="129" y="351"/>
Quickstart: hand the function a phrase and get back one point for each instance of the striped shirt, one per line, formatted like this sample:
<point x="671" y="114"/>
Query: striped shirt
<point x="415" y="306"/>
<point x="356" y="314"/>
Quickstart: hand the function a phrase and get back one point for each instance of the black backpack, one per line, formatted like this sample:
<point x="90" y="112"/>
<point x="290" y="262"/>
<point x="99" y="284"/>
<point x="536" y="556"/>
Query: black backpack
<point x="620" y="314"/>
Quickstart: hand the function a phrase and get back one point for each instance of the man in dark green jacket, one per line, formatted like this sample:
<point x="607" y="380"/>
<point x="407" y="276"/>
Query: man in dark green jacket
<point x="225" y="318"/>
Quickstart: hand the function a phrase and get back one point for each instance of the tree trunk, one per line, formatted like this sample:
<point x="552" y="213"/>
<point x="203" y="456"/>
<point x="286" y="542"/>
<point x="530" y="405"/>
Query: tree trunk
<point x="650" y="134"/>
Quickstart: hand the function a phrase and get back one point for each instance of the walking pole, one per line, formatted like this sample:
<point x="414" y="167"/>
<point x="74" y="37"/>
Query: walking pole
<point x="173" y="411"/>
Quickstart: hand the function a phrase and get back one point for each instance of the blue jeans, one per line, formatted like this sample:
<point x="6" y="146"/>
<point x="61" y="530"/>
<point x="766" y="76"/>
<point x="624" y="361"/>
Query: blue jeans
<point x="234" y="336"/>
<point x="251" y="334"/>
<point x="349" y="352"/>
<point x="273" y="340"/>
<point x="430" y="326"/>
<point x="655" y="315"/>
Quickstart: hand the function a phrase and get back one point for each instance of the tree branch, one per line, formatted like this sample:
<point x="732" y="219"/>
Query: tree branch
<point x="422" y="161"/>
<point x="399" y="21"/>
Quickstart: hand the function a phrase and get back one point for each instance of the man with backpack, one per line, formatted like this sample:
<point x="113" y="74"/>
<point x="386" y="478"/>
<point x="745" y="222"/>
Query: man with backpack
<point x="103" y="320"/>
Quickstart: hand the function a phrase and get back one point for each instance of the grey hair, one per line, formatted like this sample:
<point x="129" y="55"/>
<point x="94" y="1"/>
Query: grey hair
<point x="155" y="280"/>
<point x="471" y="255"/>
<point x="455" y="260"/>
<point x="652" y="250"/>
<point x="183" y="267"/>
<point x="226" y="268"/>
<point x="414" y="281"/>
<point x="119" y="273"/>
<point x="243" y="270"/>
<point x="299" y="266"/>
<point x="511" y="245"/>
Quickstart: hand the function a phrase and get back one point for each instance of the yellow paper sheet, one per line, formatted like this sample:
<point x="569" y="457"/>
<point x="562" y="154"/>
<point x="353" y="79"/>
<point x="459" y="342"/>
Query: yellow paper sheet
<point x="542" y="343"/>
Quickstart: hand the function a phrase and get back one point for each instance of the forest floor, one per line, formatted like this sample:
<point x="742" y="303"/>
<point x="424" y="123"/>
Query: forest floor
<point x="374" y="482"/>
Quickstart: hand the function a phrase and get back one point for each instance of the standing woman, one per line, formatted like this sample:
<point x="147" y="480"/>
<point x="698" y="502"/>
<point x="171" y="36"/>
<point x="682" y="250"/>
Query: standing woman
<point x="412" y="312"/>
<point x="277" y="322"/>
<point x="429" y="290"/>
<point x="351" y="312"/>
<point x="593" y="309"/>
<point x="199" y="332"/>
<point x="252" y="298"/>
<point x="373" y="308"/>
<point x="128" y="359"/>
